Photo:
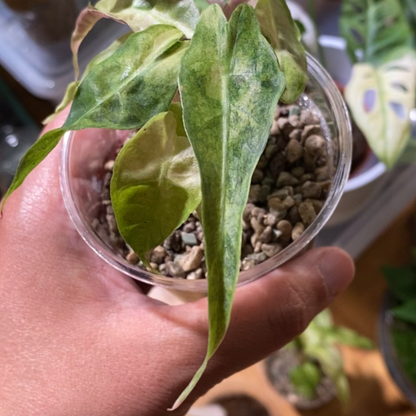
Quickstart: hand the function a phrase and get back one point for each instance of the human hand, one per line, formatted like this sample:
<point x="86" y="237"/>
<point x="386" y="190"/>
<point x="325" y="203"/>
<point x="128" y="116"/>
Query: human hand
<point x="77" y="338"/>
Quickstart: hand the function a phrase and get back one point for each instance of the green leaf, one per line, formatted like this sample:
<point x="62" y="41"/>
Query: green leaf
<point x="409" y="7"/>
<point x="230" y="83"/>
<point x="281" y="31"/>
<point x="134" y="84"/>
<point x="380" y="100"/>
<point x="68" y="97"/>
<point x="377" y="28"/>
<point x="35" y="155"/>
<point x="346" y="336"/>
<point x="406" y="312"/>
<point x="138" y="15"/>
<point x="401" y="282"/>
<point x="305" y="378"/>
<point x="155" y="184"/>
<point x="404" y="340"/>
<point x="106" y="53"/>
<point x="201" y="4"/>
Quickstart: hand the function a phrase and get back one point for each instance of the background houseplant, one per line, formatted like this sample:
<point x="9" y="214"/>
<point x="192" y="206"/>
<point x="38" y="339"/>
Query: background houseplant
<point x="397" y="327"/>
<point x="313" y="372"/>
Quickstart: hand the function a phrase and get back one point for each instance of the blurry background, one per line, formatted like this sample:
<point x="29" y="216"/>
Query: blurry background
<point x="375" y="222"/>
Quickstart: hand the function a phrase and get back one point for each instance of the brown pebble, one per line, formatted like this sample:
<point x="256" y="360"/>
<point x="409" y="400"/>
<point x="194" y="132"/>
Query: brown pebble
<point x="132" y="258"/>
<point x="192" y="260"/>
<point x="158" y="255"/>
<point x="247" y="249"/>
<point x="266" y="235"/>
<point x="294" y="151"/>
<point x="285" y="227"/>
<point x="270" y="219"/>
<point x="270" y="151"/>
<point x="246" y="225"/>
<point x="325" y="186"/>
<point x="317" y="205"/>
<point x="154" y="266"/>
<point x="189" y="227"/>
<point x="294" y="121"/>
<point x="309" y="131"/>
<point x="288" y="202"/>
<point x="311" y="190"/>
<point x="257" y="248"/>
<point x="293" y="215"/>
<point x="307" y="117"/>
<point x="276" y="207"/>
<point x="306" y="177"/>
<point x="307" y="213"/>
<point x="297" y="231"/>
<point x="262" y="163"/>
<point x="256" y="225"/>
<point x="254" y="192"/>
<point x="296" y="135"/>
<point x="315" y="145"/>
<point x="322" y="174"/>
<point x="271" y="249"/>
<point x="257" y="176"/>
<point x="259" y="213"/>
<point x="174" y="269"/>
<point x="286" y="179"/>
<point x="277" y="164"/>
<point x="247" y="212"/>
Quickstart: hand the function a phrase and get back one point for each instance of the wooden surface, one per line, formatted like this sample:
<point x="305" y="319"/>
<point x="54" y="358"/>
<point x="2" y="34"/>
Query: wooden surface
<point x="373" y="392"/>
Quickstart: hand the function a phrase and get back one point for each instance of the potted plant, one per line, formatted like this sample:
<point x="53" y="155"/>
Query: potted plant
<point x="260" y="179"/>
<point x="309" y="371"/>
<point x="397" y="327"/>
<point x="380" y="91"/>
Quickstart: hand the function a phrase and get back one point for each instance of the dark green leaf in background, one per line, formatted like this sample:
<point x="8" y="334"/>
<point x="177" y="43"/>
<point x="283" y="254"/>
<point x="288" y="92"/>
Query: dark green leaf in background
<point x="401" y="282"/>
<point x="155" y="184"/>
<point x="230" y="83"/>
<point x="405" y="343"/>
<point x="406" y="312"/>
<point x="377" y="28"/>
<point x="284" y="36"/>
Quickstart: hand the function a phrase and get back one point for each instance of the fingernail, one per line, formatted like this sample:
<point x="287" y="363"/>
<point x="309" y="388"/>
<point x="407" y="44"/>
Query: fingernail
<point x="337" y="269"/>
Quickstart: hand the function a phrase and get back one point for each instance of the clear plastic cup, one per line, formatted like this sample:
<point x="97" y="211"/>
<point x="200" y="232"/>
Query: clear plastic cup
<point x="85" y="152"/>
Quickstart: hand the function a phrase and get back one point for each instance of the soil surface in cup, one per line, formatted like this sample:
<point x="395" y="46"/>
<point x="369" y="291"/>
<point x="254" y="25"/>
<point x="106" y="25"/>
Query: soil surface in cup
<point x="278" y="367"/>
<point x="242" y="405"/>
<point x="288" y="190"/>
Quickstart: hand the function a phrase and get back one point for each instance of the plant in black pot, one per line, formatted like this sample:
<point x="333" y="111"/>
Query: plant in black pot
<point x="397" y="328"/>
<point x="309" y="371"/>
<point x="222" y="179"/>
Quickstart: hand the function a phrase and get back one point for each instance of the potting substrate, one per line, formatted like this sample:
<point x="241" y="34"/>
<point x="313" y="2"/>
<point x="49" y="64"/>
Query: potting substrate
<point x="288" y="190"/>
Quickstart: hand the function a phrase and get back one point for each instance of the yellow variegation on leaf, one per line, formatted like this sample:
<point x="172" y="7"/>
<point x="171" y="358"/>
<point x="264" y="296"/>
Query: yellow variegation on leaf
<point x="380" y="100"/>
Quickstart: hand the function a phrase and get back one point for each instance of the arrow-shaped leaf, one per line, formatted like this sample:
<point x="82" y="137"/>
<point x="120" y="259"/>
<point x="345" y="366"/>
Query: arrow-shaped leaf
<point x="155" y="184"/>
<point x="230" y="83"/>
<point x="380" y="100"/>
<point x="137" y="82"/>
<point x="138" y="15"/>
<point x="281" y="31"/>
<point x="124" y="91"/>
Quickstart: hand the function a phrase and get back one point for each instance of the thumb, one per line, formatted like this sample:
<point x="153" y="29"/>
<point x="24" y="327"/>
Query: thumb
<point x="273" y="310"/>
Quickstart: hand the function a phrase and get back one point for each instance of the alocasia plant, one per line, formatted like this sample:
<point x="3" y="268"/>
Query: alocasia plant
<point x="382" y="89"/>
<point x="230" y="81"/>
